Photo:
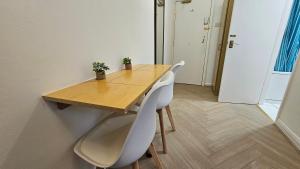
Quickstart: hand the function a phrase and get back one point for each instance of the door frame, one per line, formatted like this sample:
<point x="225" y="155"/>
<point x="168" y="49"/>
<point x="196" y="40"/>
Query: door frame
<point x="155" y="32"/>
<point x="225" y="36"/>
<point x="207" y="47"/>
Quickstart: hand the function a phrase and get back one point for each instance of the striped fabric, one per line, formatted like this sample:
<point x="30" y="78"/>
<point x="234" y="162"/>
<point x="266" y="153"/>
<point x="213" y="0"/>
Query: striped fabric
<point x="291" y="42"/>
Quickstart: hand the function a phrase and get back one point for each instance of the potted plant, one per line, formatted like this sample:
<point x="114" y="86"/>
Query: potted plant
<point x="100" y="68"/>
<point x="127" y="63"/>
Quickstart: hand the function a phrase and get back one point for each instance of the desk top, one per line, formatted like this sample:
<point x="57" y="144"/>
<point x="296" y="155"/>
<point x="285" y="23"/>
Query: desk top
<point x="117" y="92"/>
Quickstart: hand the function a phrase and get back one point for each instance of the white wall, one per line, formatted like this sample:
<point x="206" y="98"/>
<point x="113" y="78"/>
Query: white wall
<point x="46" y="45"/>
<point x="289" y="114"/>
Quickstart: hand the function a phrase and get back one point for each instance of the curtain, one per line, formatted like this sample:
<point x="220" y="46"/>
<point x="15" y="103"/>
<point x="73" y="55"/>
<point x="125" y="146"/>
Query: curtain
<point x="291" y="41"/>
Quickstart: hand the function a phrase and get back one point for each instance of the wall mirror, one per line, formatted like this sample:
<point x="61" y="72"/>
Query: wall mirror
<point x="159" y="31"/>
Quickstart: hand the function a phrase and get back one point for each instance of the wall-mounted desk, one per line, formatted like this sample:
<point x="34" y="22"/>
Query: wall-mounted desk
<point x="117" y="92"/>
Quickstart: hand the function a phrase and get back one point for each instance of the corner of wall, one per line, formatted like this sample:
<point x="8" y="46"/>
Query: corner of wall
<point x="289" y="133"/>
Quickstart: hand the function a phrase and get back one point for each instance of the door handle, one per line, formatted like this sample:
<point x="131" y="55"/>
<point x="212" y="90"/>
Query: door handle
<point x="232" y="43"/>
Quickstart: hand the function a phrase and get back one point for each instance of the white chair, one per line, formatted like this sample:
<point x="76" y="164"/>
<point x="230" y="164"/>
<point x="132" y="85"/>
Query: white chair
<point x="177" y="66"/>
<point x="121" y="141"/>
<point x="164" y="100"/>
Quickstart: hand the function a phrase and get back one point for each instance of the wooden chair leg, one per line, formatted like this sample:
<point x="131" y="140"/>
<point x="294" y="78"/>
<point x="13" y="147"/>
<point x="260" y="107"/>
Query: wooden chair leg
<point x="170" y="117"/>
<point x="136" y="165"/>
<point x="148" y="154"/>
<point x="155" y="156"/>
<point x="162" y="130"/>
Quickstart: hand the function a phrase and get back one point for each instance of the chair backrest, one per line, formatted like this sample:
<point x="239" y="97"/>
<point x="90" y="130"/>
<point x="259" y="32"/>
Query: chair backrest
<point x="143" y="129"/>
<point x="166" y="94"/>
<point x="176" y="67"/>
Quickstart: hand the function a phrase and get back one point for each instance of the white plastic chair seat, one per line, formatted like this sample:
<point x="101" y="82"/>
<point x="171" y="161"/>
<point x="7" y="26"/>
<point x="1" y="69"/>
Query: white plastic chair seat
<point x="103" y="145"/>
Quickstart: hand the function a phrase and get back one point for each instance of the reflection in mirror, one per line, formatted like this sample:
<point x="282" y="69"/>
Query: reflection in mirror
<point x="159" y="32"/>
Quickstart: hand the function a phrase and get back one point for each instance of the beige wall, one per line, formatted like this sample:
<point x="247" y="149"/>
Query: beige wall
<point x="46" y="45"/>
<point x="290" y="111"/>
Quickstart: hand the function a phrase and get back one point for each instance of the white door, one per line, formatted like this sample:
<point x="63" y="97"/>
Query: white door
<point x="191" y="39"/>
<point x="253" y="31"/>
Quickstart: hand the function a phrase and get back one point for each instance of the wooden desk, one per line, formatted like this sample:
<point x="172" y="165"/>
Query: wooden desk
<point x="146" y="75"/>
<point x="117" y="92"/>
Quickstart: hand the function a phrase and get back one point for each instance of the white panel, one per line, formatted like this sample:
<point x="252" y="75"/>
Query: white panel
<point x="278" y="85"/>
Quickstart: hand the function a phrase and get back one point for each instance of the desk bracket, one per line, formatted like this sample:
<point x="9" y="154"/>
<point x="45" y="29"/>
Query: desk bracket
<point x="62" y="106"/>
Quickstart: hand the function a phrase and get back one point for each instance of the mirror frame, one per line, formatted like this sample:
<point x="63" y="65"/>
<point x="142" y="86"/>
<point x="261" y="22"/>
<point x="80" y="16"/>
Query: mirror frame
<point x="156" y="5"/>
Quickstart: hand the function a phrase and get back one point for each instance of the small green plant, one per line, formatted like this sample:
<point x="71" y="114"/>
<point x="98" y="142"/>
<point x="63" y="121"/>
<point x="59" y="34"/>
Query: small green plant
<point x="126" y="60"/>
<point x="99" y="67"/>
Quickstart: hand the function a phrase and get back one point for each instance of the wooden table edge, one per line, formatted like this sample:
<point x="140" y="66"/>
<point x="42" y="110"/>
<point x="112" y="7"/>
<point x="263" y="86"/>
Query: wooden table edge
<point x="62" y="103"/>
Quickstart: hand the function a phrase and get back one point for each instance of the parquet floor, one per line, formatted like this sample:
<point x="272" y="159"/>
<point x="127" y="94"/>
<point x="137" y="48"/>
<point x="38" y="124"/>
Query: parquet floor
<point x="212" y="135"/>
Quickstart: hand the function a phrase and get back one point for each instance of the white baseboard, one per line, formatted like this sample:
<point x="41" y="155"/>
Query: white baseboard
<point x="289" y="133"/>
<point x="208" y="84"/>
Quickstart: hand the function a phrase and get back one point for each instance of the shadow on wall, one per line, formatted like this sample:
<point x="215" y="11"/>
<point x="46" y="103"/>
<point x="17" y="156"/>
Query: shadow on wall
<point x="49" y="137"/>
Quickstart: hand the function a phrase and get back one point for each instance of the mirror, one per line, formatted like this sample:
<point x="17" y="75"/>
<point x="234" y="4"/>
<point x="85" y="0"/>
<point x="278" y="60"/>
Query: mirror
<point x="159" y="31"/>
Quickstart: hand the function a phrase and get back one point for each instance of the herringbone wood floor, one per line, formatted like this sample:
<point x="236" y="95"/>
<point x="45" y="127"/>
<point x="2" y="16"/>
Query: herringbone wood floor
<point x="212" y="135"/>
